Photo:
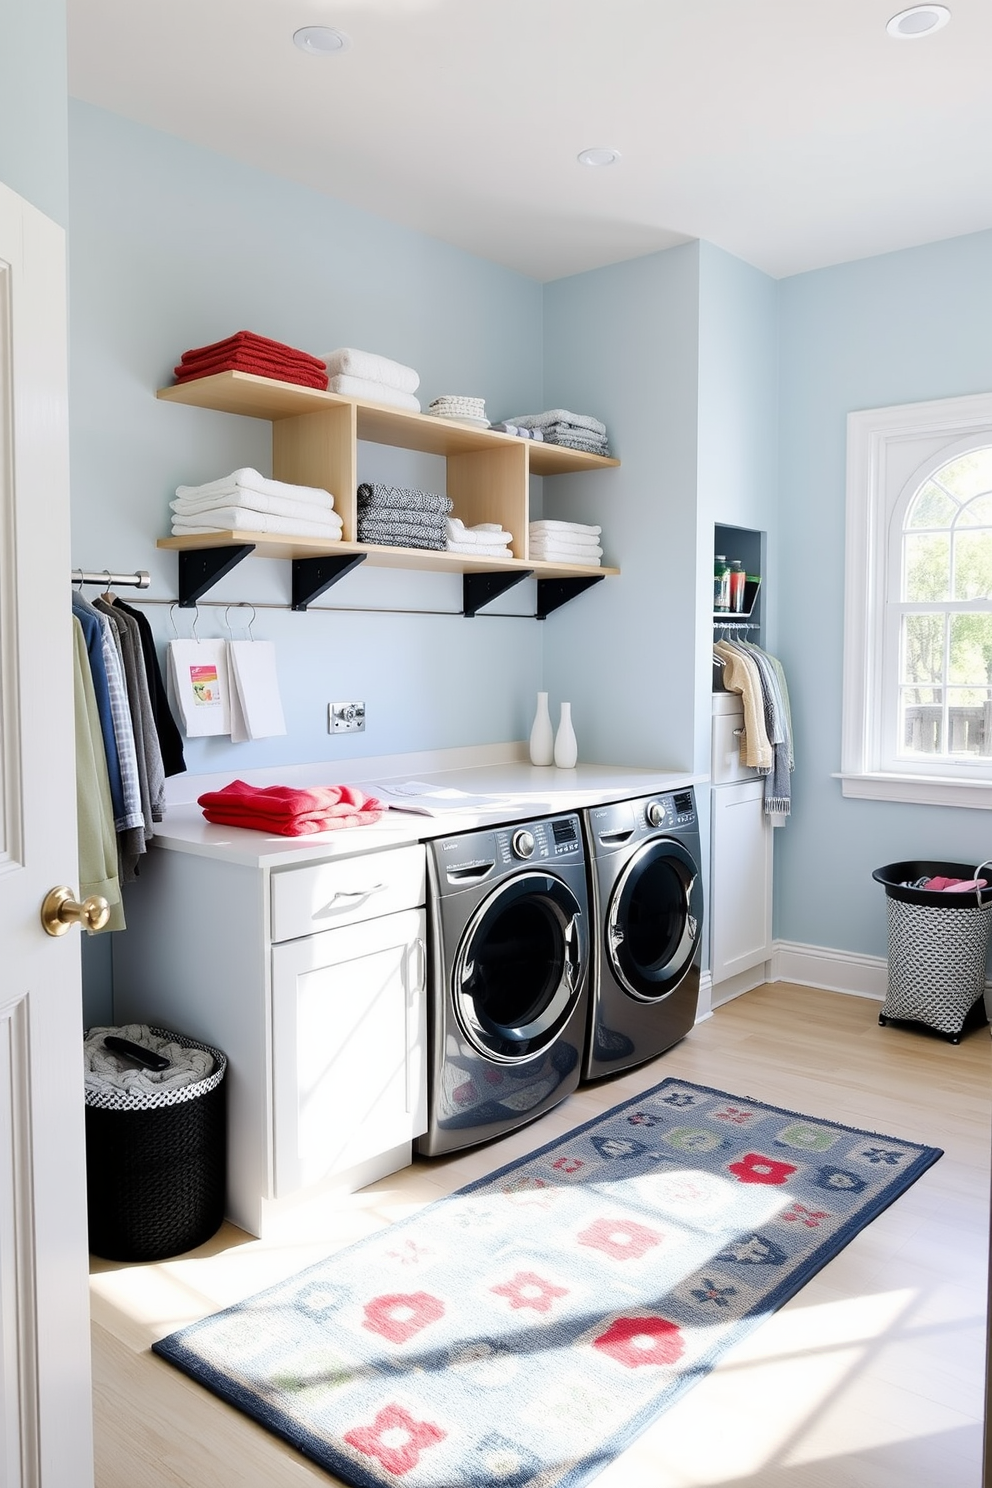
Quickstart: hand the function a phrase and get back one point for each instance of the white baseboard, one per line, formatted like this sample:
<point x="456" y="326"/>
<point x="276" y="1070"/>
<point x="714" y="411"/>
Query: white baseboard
<point x="704" y="1004"/>
<point x="834" y="971"/>
<point x="741" y="982"/>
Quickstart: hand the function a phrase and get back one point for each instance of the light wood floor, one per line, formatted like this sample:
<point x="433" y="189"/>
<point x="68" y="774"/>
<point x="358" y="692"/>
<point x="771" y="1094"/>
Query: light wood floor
<point x="872" y="1377"/>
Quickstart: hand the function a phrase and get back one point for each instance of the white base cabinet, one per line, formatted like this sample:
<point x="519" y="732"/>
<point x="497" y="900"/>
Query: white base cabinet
<point x="311" y="981"/>
<point x="740" y="879"/>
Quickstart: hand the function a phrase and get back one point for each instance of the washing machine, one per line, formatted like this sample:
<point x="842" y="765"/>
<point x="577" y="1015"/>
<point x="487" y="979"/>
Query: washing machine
<point x="646" y="897"/>
<point x="508" y="1004"/>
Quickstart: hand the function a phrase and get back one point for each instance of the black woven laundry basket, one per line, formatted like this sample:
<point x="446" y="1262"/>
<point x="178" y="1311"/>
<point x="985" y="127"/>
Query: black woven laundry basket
<point x="937" y="945"/>
<point x="156" y="1165"/>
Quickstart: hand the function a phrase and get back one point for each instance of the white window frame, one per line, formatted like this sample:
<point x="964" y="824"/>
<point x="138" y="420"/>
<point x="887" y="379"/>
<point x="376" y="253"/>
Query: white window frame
<point x="890" y="451"/>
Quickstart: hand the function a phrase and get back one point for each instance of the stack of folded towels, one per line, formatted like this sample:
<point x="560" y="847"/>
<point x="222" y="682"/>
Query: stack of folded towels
<point x="566" y="542"/>
<point x="246" y="352"/>
<point x="460" y="409"/>
<point x="400" y="518"/>
<point x="288" y="812"/>
<point x="245" y="501"/>
<point x="578" y="431"/>
<point x="518" y="430"/>
<point x="484" y="540"/>
<point x="365" y="374"/>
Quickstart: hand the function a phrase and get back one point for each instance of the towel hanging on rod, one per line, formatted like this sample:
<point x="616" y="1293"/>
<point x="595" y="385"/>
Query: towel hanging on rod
<point x="138" y="580"/>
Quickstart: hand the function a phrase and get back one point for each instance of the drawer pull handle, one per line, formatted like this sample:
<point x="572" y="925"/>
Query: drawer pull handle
<point x="738" y="733"/>
<point x="344" y="894"/>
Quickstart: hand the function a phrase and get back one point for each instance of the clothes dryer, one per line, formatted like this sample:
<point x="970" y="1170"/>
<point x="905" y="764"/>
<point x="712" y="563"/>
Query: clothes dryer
<point x="508" y="1002"/>
<point x="647" y="908"/>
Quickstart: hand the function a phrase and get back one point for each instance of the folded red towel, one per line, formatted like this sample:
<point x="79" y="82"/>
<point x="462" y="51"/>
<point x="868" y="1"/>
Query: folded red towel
<point x="244" y="362"/>
<point x="249" y="340"/>
<point x="289" y="812"/>
<point x="954" y="885"/>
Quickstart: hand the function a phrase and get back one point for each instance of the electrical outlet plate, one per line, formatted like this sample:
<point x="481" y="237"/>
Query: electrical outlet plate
<point x="346" y="718"/>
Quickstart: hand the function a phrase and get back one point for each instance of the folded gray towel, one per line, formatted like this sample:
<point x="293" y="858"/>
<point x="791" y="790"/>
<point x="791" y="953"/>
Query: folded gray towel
<point x="428" y="521"/>
<point x="400" y="498"/>
<point x="559" y="416"/>
<point x="569" y="441"/>
<point x="396" y="534"/>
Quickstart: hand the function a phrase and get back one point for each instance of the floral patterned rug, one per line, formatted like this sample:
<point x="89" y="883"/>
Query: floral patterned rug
<point x="521" y="1332"/>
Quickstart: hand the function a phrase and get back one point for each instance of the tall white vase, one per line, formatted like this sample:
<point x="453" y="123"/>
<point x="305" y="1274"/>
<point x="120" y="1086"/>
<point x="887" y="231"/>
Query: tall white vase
<point x="542" y="736"/>
<point x="566" y="746"/>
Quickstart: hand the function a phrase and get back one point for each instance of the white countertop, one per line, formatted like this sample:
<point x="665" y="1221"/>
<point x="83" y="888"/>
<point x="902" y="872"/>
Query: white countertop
<point x="521" y="791"/>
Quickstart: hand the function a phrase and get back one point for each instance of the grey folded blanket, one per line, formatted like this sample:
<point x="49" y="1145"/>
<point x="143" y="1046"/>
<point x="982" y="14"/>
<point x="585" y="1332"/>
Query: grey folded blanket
<point x="397" y="534"/>
<point x="575" y="441"/>
<point x="559" y="416"/>
<point x="427" y="521"/>
<point x="399" y="498"/>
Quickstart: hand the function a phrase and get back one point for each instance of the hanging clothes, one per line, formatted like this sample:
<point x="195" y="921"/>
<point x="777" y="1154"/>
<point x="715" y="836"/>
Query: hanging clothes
<point x="97" y="840"/>
<point x="767" y="741"/>
<point x="151" y="775"/>
<point x="170" y="740"/>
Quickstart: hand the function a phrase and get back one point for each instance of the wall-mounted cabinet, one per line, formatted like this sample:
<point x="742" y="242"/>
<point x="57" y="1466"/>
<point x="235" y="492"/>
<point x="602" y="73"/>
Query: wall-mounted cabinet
<point x="315" y="443"/>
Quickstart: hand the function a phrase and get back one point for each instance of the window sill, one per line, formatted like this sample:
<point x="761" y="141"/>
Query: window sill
<point x="918" y="790"/>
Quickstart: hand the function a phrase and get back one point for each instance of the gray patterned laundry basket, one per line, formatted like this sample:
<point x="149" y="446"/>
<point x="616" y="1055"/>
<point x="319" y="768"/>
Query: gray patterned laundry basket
<point x="937" y="947"/>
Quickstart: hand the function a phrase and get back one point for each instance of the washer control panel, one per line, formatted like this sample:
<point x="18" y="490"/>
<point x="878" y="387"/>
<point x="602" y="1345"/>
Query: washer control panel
<point x="615" y="827"/>
<point x="474" y="856"/>
<point x="540" y="841"/>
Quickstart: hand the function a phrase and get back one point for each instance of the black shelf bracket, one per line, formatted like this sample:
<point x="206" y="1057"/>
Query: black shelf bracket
<point x="311" y="576"/>
<point x="201" y="568"/>
<point x="553" y="593"/>
<point x="479" y="588"/>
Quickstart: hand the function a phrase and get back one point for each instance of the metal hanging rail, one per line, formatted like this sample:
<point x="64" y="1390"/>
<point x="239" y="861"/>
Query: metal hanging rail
<point x="138" y="580"/>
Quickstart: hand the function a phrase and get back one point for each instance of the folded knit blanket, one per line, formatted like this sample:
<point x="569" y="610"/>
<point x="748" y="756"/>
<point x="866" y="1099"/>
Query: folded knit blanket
<point x="566" y="529"/>
<point x="288" y="812"/>
<point x="237" y="519"/>
<point x="372" y="392"/>
<point x="371" y="367"/>
<point x="429" y="522"/>
<point x="103" y="1069"/>
<point x="247" y="479"/>
<point x="558" y="416"/>
<point x="402" y="499"/>
<point x="395" y="534"/>
<point x="260" y="345"/>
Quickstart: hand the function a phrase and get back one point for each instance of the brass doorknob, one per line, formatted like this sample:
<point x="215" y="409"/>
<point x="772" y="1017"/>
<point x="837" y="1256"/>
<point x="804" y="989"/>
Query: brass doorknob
<point x="60" y="910"/>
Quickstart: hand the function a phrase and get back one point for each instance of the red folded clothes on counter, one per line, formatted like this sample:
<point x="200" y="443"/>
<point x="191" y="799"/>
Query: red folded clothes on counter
<point x="288" y="812"/>
<point x="247" y="352"/>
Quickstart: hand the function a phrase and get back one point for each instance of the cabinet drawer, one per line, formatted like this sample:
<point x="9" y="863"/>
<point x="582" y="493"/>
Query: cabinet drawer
<point x="726" y="764"/>
<point x="346" y="890"/>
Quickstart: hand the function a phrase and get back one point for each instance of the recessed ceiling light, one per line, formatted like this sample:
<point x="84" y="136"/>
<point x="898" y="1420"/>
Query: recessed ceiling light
<point x="599" y="155"/>
<point x="320" y="41"/>
<point x="919" y="20"/>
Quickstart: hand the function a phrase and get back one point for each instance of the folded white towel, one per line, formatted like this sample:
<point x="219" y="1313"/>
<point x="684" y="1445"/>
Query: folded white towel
<point x="483" y="534"/>
<point x="372" y="392"/>
<point x="589" y="546"/>
<point x="558" y="416"/>
<point x="234" y="519"/>
<point x="250" y="480"/>
<point x="370" y="367"/>
<point x="468" y="551"/>
<point x="578" y="529"/>
<point x="254" y="501"/>
<point x="555" y="553"/>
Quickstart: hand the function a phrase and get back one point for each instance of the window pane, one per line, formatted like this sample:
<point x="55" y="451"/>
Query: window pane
<point x="927" y="573"/>
<point x="968" y="713"/>
<point x="971" y="651"/>
<point x="923" y="649"/>
<point x="931" y="507"/>
<point x="977" y="513"/>
<point x="973" y="564"/>
<point x="920" y="724"/>
<point x="968" y="475"/>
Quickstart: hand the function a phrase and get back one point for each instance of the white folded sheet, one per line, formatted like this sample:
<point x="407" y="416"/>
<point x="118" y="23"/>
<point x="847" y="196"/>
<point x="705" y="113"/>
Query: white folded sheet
<point x="371" y="367"/>
<point x="372" y="392"/>
<point x="250" y="480"/>
<point x="575" y="529"/>
<point x="235" y="519"/>
<point x="254" y="501"/>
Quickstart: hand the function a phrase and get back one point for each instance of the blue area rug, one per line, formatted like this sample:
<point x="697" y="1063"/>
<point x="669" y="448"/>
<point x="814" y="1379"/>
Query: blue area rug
<point x="524" y="1330"/>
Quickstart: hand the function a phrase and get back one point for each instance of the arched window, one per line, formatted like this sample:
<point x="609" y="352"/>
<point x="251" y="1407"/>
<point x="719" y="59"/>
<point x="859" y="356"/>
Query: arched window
<point x="917" y="720"/>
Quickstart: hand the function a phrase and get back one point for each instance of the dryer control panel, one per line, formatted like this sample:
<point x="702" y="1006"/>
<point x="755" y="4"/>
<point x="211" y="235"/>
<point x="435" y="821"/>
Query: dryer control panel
<point x="474" y="856"/>
<point x="615" y="827"/>
<point x="540" y="841"/>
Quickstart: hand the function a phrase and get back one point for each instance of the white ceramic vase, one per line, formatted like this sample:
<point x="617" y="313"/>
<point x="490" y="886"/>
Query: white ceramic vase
<point x="566" y="747"/>
<point x="542" y="736"/>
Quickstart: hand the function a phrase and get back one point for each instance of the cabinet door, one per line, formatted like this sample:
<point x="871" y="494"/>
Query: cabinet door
<point x="741" y="880"/>
<point x="349" y="1028"/>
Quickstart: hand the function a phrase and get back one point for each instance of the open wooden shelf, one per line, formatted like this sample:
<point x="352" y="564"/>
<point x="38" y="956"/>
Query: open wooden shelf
<point x="315" y="443"/>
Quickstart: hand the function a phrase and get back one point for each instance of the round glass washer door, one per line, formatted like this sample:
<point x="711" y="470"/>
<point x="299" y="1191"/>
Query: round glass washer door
<point x="654" y="920"/>
<point x="518" y="972"/>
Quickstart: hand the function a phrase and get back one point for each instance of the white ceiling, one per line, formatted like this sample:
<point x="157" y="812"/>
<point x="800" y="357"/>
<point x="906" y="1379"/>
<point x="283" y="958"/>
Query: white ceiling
<point x="793" y="133"/>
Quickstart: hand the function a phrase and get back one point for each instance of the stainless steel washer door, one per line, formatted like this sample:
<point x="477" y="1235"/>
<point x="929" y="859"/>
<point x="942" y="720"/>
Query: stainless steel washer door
<point x="654" y="919"/>
<point x="518" y="971"/>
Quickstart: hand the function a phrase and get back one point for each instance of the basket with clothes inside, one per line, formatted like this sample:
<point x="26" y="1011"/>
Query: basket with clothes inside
<point x="156" y="1142"/>
<point x="939" y="920"/>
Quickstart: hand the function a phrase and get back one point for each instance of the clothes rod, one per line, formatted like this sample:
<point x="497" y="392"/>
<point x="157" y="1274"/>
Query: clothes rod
<point x="319" y="609"/>
<point x="139" y="580"/>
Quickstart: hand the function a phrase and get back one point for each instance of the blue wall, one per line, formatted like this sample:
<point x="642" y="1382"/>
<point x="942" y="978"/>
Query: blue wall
<point x="33" y="159"/>
<point x="894" y="329"/>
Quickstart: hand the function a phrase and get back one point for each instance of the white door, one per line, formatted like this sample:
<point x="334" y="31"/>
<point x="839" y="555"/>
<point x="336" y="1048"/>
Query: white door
<point x="45" y="1415"/>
